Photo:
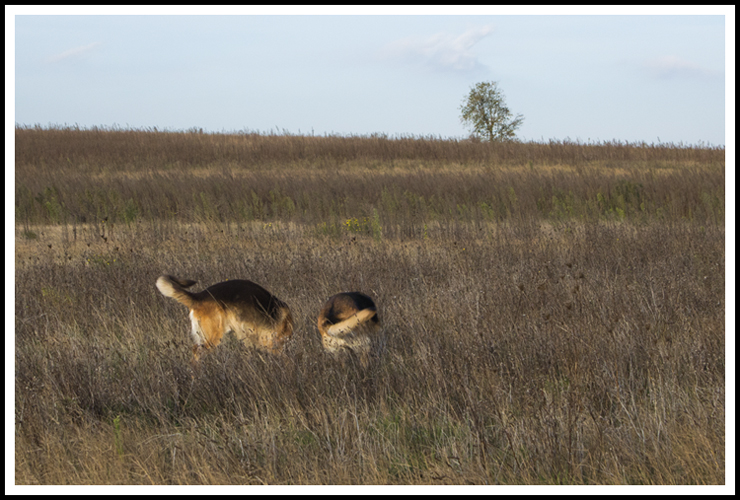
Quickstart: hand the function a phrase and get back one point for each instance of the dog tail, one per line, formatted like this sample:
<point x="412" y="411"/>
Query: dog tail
<point x="349" y="324"/>
<point x="169" y="286"/>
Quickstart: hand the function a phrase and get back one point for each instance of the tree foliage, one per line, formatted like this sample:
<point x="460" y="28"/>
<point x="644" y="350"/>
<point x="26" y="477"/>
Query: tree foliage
<point x="484" y="110"/>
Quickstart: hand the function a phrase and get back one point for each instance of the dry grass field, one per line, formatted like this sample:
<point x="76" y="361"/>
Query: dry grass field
<point x="554" y="311"/>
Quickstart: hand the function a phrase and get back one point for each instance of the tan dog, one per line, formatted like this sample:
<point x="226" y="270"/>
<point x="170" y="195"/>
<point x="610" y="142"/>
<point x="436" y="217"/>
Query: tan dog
<point x="349" y="322"/>
<point x="256" y="317"/>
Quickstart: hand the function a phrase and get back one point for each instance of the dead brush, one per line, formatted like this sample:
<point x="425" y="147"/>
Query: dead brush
<point x="529" y="341"/>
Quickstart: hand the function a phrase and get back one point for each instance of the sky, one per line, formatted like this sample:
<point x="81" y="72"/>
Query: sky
<point x="611" y="76"/>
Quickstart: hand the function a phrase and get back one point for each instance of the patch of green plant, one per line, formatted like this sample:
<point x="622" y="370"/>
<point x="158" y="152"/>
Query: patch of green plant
<point x="486" y="211"/>
<point x="130" y="211"/>
<point x="55" y="295"/>
<point x="25" y="205"/>
<point x="375" y="227"/>
<point x="328" y="229"/>
<point x="204" y="208"/>
<point x="563" y="204"/>
<point x="49" y="200"/>
<point x="281" y="205"/>
<point x="389" y="200"/>
<point x="103" y="260"/>
<point x="117" y="436"/>
<point x="367" y="225"/>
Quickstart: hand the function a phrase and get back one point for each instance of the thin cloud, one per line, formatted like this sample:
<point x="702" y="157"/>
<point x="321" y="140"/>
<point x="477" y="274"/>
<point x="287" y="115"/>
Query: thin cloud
<point x="674" y="67"/>
<point x="442" y="51"/>
<point x="73" y="52"/>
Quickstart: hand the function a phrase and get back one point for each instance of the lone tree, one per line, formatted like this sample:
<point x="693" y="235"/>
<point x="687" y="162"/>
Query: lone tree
<point x="485" y="111"/>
